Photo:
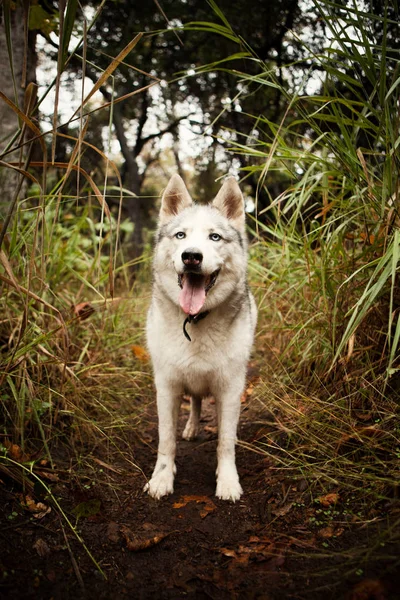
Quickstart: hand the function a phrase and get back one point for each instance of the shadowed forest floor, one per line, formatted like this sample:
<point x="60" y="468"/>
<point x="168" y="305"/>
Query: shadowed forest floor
<point x="188" y="545"/>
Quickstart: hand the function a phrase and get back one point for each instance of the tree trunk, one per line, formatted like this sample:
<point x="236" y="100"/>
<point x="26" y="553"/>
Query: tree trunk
<point x="24" y="62"/>
<point x="132" y="181"/>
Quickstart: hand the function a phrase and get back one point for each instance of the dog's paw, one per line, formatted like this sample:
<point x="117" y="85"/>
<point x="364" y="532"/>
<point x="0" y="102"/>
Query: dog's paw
<point x="228" y="486"/>
<point x="161" y="484"/>
<point x="190" y="432"/>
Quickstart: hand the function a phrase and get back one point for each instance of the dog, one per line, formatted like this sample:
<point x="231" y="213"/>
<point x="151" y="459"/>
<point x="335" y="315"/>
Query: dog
<point x="200" y="324"/>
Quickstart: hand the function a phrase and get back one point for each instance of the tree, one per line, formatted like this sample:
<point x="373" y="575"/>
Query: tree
<point x="163" y="54"/>
<point x="18" y="70"/>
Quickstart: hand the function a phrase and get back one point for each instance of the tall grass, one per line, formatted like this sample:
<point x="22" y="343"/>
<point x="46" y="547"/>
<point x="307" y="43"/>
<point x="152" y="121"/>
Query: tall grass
<point x="66" y="361"/>
<point x="325" y="260"/>
<point x="331" y="237"/>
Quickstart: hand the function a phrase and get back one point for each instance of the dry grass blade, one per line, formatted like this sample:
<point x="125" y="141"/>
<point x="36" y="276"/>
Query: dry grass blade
<point x="111" y="68"/>
<point x="21" y="171"/>
<point x="26" y="120"/>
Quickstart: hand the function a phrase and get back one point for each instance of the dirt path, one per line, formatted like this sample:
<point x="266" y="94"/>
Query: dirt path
<point x="188" y="545"/>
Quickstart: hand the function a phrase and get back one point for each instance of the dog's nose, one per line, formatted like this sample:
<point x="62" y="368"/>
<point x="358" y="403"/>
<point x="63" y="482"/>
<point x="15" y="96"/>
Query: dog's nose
<point x="192" y="257"/>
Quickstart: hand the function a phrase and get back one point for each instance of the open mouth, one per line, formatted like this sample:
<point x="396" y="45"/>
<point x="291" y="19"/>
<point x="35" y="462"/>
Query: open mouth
<point x="194" y="288"/>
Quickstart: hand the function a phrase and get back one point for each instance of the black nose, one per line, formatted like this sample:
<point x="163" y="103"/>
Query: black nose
<point x="192" y="257"/>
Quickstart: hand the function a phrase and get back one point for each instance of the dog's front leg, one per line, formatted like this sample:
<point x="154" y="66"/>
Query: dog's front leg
<point x="228" y="407"/>
<point x="162" y="480"/>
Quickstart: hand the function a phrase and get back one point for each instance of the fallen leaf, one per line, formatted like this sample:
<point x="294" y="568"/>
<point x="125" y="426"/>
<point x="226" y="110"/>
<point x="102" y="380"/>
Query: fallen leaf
<point x="87" y="509"/>
<point x="368" y="589"/>
<point x="41" y="547"/>
<point x="83" y="310"/>
<point x="38" y="509"/>
<point x="247" y="393"/>
<point x="367" y="238"/>
<point x="41" y="510"/>
<point x="228" y="552"/>
<point x="339" y="531"/>
<point x="134" y="543"/>
<point x="113" y="532"/>
<point x="209" y="505"/>
<point x="329" y="499"/>
<point x="282" y="510"/>
<point x="238" y="558"/>
<point x="140" y="353"/>
<point x="211" y="429"/>
<point x="326" y="532"/>
<point x="256" y="547"/>
<point x="50" y="475"/>
<point x="15" y="452"/>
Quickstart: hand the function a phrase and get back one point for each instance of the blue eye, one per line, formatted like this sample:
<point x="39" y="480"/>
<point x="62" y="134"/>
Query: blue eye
<point x="180" y="235"/>
<point x="215" y="237"/>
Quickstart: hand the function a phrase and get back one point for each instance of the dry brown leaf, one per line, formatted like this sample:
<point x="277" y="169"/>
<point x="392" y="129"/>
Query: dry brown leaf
<point x="282" y="510"/>
<point x="326" y="532"/>
<point x="113" y="532"/>
<point x="257" y="547"/>
<point x="140" y="353"/>
<point x="83" y="310"/>
<point x="41" y="510"/>
<point x="211" y="429"/>
<point x="15" y="452"/>
<point x="41" y="547"/>
<point x="368" y="589"/>
<point x="134" y="543"/>
<point x="247" y="393"/>
<point x="238" y="559"/>
<point x="208" y="507"/>
<point x="329" y="499"/>
<point x="228" y="552"/>
<point x="38" y="509"/>
<point x="50" y="475"/>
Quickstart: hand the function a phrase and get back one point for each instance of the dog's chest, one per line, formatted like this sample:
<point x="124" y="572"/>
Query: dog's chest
<point x="197" y="364"/>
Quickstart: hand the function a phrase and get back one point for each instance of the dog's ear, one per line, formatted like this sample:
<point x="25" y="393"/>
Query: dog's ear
<point x="230" y="202"/>
<point x="174" y="199"/>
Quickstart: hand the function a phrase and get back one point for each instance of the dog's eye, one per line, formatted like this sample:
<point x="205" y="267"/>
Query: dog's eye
<point x="180" y="235"/>
<point x="215" y="237"/>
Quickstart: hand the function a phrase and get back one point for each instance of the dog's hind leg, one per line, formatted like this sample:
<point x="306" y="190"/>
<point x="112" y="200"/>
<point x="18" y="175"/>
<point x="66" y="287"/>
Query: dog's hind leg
<point x="192" y="426"/>
<point x="228" y="407"/>
<point x="168" y="402"/>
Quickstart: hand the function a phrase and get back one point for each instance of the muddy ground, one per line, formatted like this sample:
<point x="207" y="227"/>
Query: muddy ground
<point x="188" y="545"/>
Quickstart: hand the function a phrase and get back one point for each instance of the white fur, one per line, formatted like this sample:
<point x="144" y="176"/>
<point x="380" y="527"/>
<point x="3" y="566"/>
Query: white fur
<point x="215" y="361"/>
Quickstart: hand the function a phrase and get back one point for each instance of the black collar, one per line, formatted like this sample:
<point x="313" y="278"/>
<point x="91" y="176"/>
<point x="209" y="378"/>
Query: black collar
<point x="193" y="319"/>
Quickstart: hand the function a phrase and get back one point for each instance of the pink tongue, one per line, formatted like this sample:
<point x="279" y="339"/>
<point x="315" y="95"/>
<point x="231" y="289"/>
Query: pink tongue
<point x="192" y="297"/>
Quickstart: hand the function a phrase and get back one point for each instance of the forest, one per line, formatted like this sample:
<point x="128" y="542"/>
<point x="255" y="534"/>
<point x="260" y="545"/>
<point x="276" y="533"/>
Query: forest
<point x="101" y="103"/>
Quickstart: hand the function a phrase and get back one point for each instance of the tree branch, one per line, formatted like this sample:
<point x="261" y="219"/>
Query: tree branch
<point x="162" y="132"/>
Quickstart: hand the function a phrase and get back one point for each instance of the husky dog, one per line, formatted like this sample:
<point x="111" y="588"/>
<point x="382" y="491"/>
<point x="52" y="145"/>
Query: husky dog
<point x="200" y="325"/>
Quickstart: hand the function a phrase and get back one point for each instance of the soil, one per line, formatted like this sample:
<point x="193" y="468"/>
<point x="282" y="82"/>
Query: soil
<point x="189" y="544"/>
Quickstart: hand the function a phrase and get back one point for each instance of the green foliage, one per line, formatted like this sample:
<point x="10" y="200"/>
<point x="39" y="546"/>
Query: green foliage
<point x="328" y="241"/>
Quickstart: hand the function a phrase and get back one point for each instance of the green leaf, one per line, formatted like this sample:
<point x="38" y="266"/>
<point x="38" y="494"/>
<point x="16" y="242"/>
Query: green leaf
<point x="41" y="20"/>
<point x="68" y="27"/>
<point x="87" y="509"/>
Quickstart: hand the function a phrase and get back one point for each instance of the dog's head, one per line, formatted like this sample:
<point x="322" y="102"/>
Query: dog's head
<point x="201" y="250"/>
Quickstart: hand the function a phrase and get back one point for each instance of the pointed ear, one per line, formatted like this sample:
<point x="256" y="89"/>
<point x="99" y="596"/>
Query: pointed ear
<point x="230" y="202"/>
<point x="174" y="199"/>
